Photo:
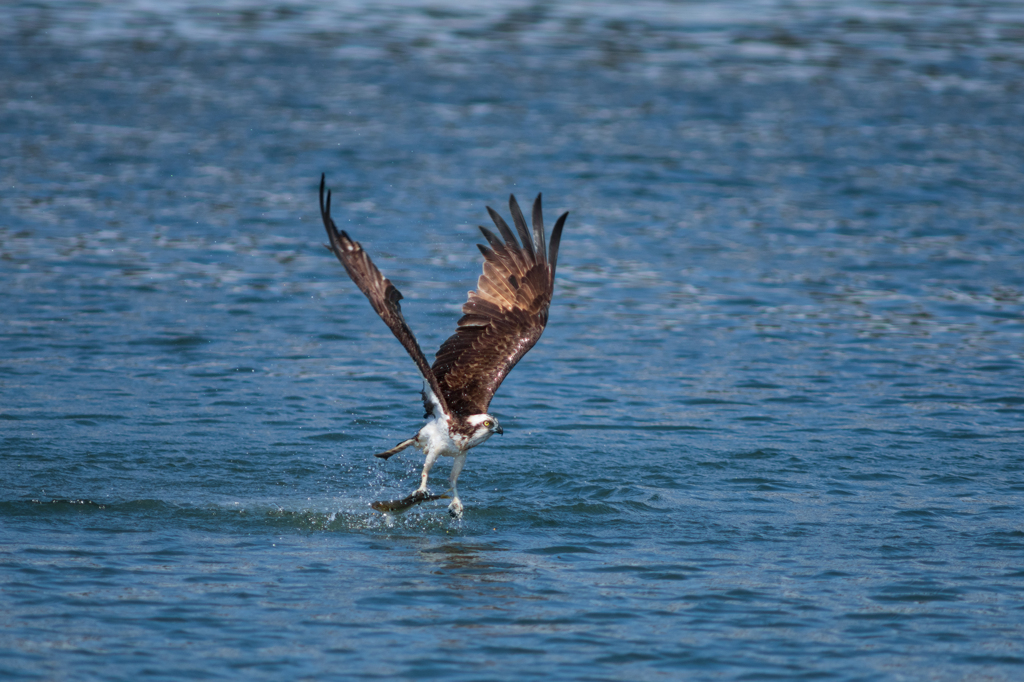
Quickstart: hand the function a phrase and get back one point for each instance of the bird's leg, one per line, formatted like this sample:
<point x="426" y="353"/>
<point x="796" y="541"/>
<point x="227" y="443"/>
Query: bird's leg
<point x="455" y="508"/>
<point x="398" y="448"/>
<point x="432" y="456"/>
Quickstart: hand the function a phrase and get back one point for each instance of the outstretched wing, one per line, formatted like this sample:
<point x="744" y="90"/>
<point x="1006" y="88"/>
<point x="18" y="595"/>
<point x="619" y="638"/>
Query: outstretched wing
<point x="383" y="295"/>
<point x="505" y="316"/>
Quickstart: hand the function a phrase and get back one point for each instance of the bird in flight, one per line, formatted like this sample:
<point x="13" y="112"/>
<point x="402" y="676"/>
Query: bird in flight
<point x="501" y="321"/>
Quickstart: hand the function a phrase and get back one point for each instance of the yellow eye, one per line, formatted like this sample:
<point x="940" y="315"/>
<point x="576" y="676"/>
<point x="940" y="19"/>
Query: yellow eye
<point x="488" y="423"/>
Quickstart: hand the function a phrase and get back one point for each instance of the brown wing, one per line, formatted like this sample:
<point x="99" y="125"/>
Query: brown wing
<point x="383" y="295"/>
<point x="505" y="316"/>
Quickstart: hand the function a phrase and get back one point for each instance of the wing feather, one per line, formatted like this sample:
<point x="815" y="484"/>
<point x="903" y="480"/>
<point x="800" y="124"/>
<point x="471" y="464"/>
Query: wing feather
<point x="496" y="244"/>
<point x="556" y="237"/>
<point x="504" y="317"/>
<point x="520" y="221"/>
<point x="538" y="231"/>
<point x="503" y="228"/>
<point x="382" y="294"/>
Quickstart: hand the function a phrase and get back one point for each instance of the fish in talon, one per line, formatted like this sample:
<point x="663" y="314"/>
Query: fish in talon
<point x="398" y="506"/>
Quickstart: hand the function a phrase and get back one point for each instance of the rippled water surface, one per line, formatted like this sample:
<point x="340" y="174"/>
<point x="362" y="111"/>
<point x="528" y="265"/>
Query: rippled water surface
<point x="773" y="430"/>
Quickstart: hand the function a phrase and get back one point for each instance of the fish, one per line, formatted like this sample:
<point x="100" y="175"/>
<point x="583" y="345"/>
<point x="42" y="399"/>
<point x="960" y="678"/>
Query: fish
<point x="397" y="506"/>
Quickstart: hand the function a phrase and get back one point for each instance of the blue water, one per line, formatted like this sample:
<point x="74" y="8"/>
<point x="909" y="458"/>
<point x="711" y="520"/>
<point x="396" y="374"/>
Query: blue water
<point x="775" y="427"/>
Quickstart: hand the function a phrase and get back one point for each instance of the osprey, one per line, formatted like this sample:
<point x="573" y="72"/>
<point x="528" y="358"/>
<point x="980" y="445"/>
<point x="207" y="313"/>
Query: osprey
<point x="501" y="321"/>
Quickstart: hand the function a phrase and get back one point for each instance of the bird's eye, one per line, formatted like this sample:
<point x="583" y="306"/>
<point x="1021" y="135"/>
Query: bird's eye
<point x="488" y="423"/>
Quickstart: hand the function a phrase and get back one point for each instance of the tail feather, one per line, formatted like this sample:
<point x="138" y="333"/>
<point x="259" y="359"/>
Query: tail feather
<point x="395" y="450"/>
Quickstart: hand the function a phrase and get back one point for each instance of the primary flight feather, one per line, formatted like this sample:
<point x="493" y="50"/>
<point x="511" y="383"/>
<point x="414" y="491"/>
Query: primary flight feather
<point x="501" y="321"/>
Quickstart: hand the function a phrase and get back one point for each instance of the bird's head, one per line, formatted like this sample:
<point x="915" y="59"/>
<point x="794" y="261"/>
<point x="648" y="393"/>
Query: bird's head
<point x="482" y="426"/>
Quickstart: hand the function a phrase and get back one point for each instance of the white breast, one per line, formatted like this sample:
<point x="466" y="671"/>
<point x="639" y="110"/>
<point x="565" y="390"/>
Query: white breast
<point x="435" y="438"/>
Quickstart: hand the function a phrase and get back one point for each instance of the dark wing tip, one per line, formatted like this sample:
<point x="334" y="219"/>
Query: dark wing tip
<point x="325" y="211"/>
<point x="520" y="221"/>
<point x="556" y="237"/>
<point x="503" y="228"/>
<point x="538" y="230"/>
<point x="491" y="239"/>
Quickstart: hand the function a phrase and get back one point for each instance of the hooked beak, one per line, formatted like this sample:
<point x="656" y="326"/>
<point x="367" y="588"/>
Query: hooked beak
<point x="500" y="430"/>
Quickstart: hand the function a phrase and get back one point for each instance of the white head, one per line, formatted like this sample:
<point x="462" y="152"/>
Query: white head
<point x="483" y="427"/>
